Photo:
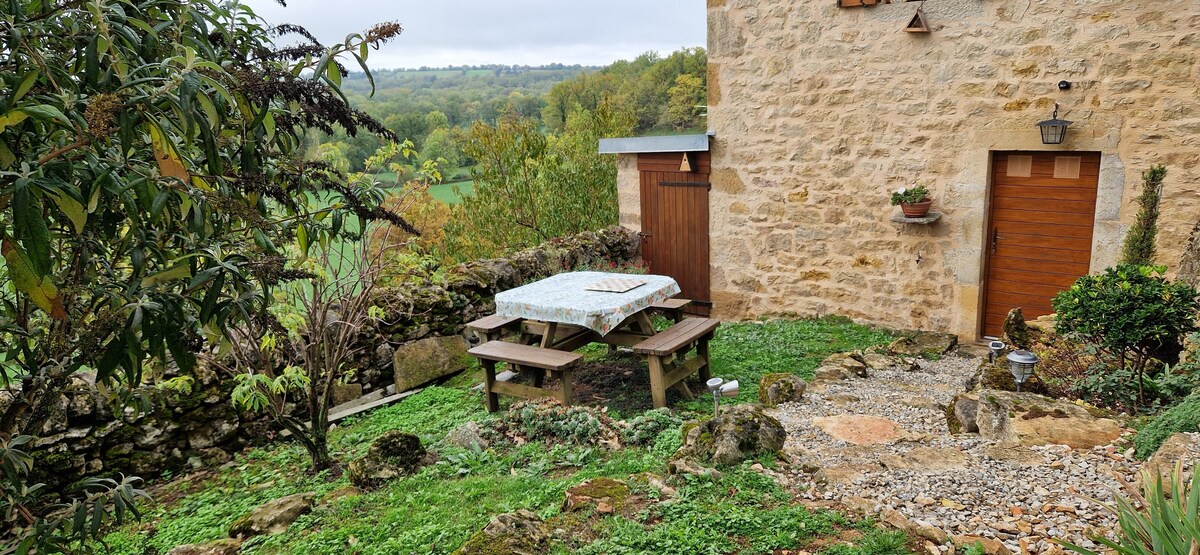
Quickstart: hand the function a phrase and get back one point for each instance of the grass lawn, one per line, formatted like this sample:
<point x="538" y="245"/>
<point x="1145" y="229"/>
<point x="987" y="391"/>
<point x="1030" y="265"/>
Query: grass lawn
<point x="437" y="510"/>
<point x="452" y="193"/>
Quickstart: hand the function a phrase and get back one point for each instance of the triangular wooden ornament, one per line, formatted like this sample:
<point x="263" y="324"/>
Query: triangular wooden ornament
<point x="918" y="24"/>
<point x="686" y="165"/>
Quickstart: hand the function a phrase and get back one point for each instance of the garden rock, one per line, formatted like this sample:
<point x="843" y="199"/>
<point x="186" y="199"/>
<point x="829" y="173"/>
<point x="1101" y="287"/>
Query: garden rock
<point x="923" y="344"/>
<point x="841" y="366"/>
<point x="1031" y="419"/>
<point x="392" y="455"/>
<point x="519" y="533"/>
<point x="344" y="393"/>
<point x="778" y="388"/>
<point x="997" y="376"/>
<point x="426" y="360"/>
<point x="926" y="459"/>
<point x="273" y="517"/>
<point x="686" y="466"/>
<point x="737" y="433"/>
<point x="219" y="547"/>
<point x="467" y="436"/>
<point x="1180" y="447"/>
<point x="860" y="429"/>
<point x="879" y="361"/>
<point x="990" y="546"/>
<point x="913" y="528"/>
<point x="1018" y="334"/>
<point x="605" y="495"/>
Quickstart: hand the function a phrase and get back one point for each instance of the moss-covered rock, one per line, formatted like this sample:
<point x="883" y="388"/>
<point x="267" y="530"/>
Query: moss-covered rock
<point x="426" y="360"/>
<point x="781" y="387"/>
<point x="605" y="495"/>
<point x="273" y="517"/>
<point x="1030" y="419"/>
<point x="519" y="533"/>
<point x="737" y="433"/>
<point x="926" y="344"/>
<point x="1018" y="334"/>
<point x="392" y="455"/>
<point x="997" y="377"/>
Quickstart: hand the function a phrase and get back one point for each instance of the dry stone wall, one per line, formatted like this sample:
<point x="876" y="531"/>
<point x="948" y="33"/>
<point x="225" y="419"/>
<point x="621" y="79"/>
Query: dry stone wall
<point x="91" y="434"/>
<point x="819" y="111"/>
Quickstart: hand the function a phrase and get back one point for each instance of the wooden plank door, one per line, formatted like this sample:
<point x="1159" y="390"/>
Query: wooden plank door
<point x="675" y="222"/>
<point x="1043" y="207"/>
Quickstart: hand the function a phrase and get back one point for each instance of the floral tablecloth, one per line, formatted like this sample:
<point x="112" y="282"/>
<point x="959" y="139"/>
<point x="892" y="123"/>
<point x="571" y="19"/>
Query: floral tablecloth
<point x="564" y="299"/>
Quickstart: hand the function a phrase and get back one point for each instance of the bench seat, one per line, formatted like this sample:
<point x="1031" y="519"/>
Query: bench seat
<point x="671" y="308"/>
<point x="667" y="356"/>
<point x="492" y="327"/>
<point x="524" y="358"/>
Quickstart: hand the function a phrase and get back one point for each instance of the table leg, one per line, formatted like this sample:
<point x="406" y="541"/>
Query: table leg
<point x="702" y="352"/>
<point x="643" y="321"/>
<point x="548" y="337"/>
<point x="564" y="384"/>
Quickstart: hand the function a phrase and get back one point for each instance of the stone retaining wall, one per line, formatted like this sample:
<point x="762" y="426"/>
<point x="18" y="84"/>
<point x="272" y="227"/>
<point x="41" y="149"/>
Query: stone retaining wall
<point x="90" y="435"/>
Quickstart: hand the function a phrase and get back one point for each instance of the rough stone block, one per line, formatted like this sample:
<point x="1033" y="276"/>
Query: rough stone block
<point x="426" y="360"/>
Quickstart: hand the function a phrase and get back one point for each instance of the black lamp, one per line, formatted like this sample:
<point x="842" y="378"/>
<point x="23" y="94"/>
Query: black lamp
<point x="1054" y="130"/>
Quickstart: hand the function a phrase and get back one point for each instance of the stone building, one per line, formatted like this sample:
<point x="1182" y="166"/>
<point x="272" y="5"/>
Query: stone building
<point x="818" y="111"/>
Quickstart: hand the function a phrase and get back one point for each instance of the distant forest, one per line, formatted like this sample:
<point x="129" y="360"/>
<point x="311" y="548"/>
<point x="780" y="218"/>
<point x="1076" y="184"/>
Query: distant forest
<point x="432" y="107"/>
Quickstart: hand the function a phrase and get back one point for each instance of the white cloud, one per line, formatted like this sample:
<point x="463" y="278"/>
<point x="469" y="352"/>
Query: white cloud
<point x="458" y="32"/>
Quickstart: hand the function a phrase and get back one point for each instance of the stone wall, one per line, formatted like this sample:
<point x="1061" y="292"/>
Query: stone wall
<point x="819" y="111"/>
<point x="89" y="434"/>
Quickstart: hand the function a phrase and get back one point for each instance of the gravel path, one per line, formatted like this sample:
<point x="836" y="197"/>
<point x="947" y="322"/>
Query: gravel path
<point x="959" y="484"/>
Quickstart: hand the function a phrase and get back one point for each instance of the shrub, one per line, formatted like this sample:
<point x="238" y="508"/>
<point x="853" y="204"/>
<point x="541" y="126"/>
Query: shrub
<point x="645" y="428"/>
<point x="1184" y="417"/>
<point x="1129" y="314"/>
<point x="1139" y="242"/>
<point x="1160" y="520"/>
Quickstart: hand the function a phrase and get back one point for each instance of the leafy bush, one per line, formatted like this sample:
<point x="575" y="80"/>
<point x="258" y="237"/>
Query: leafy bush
<point x="1140" y="241"/>
<point x="646" y="427"/>
<point x="911" y="195"/>
<point x="1129" y="314"/>
<point x="1161" y="520"/>
<point x="1184" y="417"/>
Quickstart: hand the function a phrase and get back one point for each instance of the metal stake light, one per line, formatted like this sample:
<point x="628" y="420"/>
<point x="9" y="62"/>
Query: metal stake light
<point x="1020" y="365"/>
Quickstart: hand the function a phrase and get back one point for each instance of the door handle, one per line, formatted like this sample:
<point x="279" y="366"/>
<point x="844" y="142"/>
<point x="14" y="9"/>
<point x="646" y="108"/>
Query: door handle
<point x="995" y="238"/>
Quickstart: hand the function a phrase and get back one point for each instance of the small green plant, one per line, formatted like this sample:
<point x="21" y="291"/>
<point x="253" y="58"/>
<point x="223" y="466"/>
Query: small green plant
<point x="645" y="428"/>
<point x="910" y="195"/>
<point x="548" y="420"/>
<point x="1129" y="314"/>
<point x="1161" y="519"/>
<point x="1183" y="417"/>
<point x="1139" y="244"/>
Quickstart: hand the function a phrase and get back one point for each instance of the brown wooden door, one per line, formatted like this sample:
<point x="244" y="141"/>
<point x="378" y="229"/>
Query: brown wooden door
<point x="675" y="222"/>
<point x="1043" y="207"/>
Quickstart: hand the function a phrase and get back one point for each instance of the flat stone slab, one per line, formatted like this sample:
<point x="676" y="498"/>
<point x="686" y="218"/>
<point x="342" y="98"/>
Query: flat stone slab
<point x="860" y="429"/>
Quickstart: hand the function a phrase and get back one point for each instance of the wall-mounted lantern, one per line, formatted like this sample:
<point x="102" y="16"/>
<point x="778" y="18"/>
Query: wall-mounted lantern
<point x="1054" y="130"/>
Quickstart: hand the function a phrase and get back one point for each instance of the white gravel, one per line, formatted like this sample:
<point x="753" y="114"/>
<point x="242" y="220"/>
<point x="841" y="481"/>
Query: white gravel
<point x="1019" y="496"/>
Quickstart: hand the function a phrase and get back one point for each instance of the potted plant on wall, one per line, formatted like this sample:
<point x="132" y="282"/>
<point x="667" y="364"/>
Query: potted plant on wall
<point x="914" y="201"/>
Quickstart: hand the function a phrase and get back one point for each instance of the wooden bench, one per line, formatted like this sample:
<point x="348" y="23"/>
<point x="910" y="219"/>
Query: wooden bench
<point x="491" y="328"/>
<point x="666" y="354"/>
<point x="525" y="358"/>
<point x="671" y="308"/>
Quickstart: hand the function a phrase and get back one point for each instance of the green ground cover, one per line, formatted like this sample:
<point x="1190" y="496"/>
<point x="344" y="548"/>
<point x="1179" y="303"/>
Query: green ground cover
<point x="437" y="509"/>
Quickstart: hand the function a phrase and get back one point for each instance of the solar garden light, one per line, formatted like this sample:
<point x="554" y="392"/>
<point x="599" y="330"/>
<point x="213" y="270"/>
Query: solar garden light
<point x="1020" y="365"/>
<point x="994" y="350"/>
<point x="720" y="388"/>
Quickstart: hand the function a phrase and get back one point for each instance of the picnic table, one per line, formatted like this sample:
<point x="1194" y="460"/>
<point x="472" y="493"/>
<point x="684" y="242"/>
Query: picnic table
<point x="562" y="313"/>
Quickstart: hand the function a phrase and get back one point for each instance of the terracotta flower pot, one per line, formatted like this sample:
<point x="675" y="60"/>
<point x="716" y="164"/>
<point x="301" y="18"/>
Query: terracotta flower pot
<point x="916" y="209"/>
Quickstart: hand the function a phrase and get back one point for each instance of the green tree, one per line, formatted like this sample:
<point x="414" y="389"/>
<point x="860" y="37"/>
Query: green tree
<point x="149" y="171"/>
<point x="1140" y="241"/>
<point x="530" y="187"/>
<point x="685" y="99"/>
<point x="441" y="147"/>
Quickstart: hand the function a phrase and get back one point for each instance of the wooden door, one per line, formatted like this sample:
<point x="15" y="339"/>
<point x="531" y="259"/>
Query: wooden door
<point x="675" y="222"/>
<point x="1043" y="207"/>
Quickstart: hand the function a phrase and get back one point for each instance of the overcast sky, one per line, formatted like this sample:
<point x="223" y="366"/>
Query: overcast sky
<point x="464" y="32"/>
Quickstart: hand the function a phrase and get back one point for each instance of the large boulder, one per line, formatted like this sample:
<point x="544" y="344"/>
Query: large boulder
<point x="1018" y="334"/>
<point x="392" y="455"/>
<point x="423" y="361"/>
<point x="923" y="343"/>
<point x="519" y="533"/>
<point x="737" y="433"/>
<point x="781" y="387"/>
<point x="997" y="376"/>
<point x="1030" y="419"/>
<point x="274" y="517"/>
